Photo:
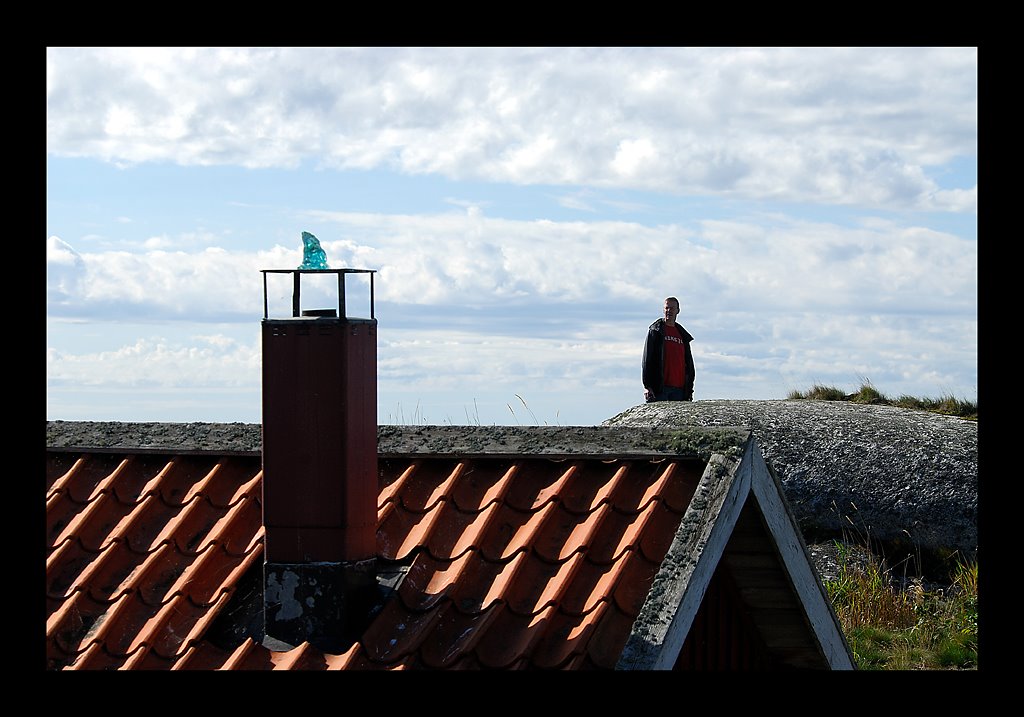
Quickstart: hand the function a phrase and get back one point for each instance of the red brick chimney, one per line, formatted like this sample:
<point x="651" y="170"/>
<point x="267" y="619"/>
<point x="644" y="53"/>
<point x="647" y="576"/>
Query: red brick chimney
<point x="319" y="468"/>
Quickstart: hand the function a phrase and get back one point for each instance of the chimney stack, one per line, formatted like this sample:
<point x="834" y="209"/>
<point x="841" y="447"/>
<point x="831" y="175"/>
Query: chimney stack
<point x="319" y="468"/>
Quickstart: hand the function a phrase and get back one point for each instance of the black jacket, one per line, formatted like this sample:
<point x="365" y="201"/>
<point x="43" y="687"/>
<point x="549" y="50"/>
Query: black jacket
<point x="654" y="356"/>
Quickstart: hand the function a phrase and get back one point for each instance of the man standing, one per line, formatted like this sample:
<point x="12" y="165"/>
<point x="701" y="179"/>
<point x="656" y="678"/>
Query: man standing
<point x="668" y="363"/>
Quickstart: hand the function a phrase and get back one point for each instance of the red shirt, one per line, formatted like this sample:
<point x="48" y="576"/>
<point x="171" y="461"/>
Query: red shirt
<point x="675" y="357"/>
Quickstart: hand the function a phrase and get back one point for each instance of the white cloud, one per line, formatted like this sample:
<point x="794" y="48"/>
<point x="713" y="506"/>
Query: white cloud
<point x="632" y="156"/>
<point x="207" y="361"/>
<point x="468" y="259"/>
<point x="774" y="304"/>
<point x="833" y="125"/>
<point x="65" y="270"/>
<point x="952" y="200"/>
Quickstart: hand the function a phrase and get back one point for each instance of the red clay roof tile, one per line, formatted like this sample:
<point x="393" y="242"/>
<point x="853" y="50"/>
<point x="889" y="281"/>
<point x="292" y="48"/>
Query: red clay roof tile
<point x="513" y="563"/>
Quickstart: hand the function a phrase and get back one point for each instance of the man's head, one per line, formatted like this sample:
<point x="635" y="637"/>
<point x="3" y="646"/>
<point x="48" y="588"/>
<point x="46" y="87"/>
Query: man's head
<point x="671" y="310"/>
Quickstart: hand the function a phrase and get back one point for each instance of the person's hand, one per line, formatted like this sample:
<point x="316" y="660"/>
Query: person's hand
<point x="648" y="396"/>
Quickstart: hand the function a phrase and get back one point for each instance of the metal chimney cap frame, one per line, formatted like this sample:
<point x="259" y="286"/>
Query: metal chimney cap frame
<point x="296" y="287"/>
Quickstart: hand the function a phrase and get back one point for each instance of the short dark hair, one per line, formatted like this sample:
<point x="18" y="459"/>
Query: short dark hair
<point x="672" y="298"/>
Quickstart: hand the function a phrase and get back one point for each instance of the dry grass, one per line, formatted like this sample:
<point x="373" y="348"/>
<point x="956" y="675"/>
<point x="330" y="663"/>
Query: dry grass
<point x="895" y="623"/>
<point x="947" y="405"/>
<point x="908" y="628"/>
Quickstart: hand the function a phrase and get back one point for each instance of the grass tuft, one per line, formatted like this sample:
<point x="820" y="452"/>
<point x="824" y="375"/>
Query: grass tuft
<point x="820" y="393"/>
<point x="946" y="405"/>
<point x="868" y="394"/>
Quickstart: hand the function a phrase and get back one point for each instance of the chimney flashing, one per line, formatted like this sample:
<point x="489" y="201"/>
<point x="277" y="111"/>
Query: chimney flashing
<point x="326" y="604"/>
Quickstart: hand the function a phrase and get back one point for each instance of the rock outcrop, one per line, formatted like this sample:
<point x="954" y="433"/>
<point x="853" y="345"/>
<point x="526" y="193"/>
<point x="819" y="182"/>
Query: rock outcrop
<point x="902" y="477"/>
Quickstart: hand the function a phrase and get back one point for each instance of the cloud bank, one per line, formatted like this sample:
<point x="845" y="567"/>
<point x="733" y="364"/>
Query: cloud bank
<point x="814" y="209"/>
<point x="843" y="126"/>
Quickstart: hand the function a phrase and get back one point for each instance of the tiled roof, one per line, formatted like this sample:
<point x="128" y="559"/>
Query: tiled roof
<point x="514" y="562"/>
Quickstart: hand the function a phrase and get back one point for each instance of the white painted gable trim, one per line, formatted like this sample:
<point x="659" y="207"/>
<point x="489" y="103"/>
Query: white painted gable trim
<point x="660" y="630"/>
<point x="665" y="619"/>
<point x="779" y="520"/>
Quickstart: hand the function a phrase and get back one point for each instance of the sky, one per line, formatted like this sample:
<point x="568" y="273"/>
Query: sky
<point x="525" y="212"/>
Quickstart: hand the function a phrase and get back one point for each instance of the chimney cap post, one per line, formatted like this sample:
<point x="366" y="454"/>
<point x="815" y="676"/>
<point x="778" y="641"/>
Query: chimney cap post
<point x="297" y="288"/>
